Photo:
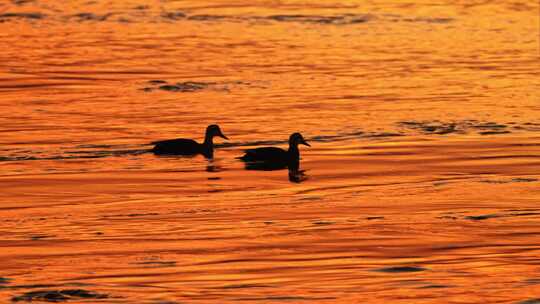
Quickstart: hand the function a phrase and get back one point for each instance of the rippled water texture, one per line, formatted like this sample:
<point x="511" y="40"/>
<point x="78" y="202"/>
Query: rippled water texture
<point x="421" y="185"/>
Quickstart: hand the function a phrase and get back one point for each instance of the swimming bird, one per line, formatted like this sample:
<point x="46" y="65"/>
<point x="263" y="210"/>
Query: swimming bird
<point x="183" y="146"/>
<point x="271" y="158"/>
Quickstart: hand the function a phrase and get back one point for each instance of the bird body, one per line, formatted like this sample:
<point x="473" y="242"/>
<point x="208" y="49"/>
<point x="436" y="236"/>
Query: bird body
<point x="265" y="154"/>
<point x="180" y="146"/>
<point x="271" y="158"/>
<point x="184" y="146"/>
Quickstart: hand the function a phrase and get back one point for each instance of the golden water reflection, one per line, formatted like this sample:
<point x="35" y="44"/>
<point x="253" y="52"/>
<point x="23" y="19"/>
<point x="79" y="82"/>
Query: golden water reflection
<point x="421" y="184"/>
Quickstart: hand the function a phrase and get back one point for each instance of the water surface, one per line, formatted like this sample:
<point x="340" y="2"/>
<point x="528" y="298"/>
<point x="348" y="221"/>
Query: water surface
<point x="421" y="185"/>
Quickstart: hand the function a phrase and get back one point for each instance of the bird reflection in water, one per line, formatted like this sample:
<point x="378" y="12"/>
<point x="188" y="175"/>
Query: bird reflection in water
<point x="297" y="176"/>
<point x="213" y="167"/>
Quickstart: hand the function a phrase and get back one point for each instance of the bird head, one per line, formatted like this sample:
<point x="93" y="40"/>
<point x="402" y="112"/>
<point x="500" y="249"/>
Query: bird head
<point x="297" y="138"/>
<point x="214" y="130"/>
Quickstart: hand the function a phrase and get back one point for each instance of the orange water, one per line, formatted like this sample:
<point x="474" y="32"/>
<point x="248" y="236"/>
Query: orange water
<point x="421" y="185"/>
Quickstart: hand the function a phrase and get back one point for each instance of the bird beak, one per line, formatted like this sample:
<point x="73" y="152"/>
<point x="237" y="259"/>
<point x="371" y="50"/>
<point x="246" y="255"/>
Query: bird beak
<point x="304" y="142"/>
<point x="223" y="136"/>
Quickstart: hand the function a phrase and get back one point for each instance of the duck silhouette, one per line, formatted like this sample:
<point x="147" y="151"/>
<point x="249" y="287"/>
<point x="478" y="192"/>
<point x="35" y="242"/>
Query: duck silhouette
<point x="273" y="158"/>
<point x="183" y="146"/>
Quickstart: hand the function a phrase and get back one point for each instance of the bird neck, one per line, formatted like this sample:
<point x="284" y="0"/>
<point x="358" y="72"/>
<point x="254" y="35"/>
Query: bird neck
<point x="293" y="150"/>
<point x="208" y="140"/>
<point x="208" y="146"/>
